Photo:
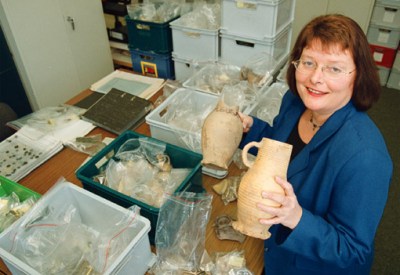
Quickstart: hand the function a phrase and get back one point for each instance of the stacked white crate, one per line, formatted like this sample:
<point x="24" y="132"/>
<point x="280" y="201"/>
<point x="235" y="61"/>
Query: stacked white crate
<point x="384" y="36"/>
<point x="249" y="27"/>
<point x="394" y="76"/>
<point x="193" y="46"/>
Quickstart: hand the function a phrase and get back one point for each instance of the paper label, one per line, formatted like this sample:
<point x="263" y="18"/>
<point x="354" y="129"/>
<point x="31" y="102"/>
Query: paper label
<point x="240" y="4"/>
<point x="116" y="35"/>
<point x="388" y="16"/>
<point x="378" y="57"/>
<point x="383" y="36"/>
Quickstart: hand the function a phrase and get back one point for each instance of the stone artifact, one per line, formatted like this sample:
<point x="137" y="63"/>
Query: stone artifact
<point x="225" y="231"/>
<point x="220" y="137"/>
<point x="272" y="160"/>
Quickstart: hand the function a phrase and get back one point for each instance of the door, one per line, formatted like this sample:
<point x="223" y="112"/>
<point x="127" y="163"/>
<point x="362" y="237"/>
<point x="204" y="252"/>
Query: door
<point x="53" y="59"/>
<point x="11" y="90"/>
<point x="87" y="33"/>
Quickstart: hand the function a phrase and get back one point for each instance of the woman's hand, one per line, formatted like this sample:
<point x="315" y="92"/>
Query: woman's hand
<point x="289" y="213"/>
<point x="247" y="121"/>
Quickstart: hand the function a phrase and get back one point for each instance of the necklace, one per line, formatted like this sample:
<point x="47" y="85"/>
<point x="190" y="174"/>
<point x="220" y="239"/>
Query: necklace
<point x="314" y="125"/>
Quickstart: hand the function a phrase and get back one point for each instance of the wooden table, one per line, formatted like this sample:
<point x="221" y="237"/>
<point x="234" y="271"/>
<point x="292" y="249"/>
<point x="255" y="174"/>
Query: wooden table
<point x="65" y="163"/>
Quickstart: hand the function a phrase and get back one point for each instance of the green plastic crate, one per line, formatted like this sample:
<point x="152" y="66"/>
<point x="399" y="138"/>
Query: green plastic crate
<point x="8" y="186"/>
<point x="149" y="36"/>
<point x="180" y="158"/>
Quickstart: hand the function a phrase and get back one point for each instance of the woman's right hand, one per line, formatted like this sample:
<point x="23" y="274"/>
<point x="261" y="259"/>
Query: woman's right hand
<point x="247" y="121"/>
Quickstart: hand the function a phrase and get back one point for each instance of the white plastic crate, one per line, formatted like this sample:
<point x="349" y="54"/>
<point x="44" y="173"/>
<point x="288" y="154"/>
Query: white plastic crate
<point x="396" y="63"/>
<point x="237" y="50"/>
<point x="185" y="68"/>
<point x="157" y="118"/>
<point x="97" y="213"/>
<point x="383" y="75"/>
<point x="386" y="13"/>
<point x="394" y="80"/>
<point x="192" y="43"/>
<point x="258" y="19"/>
<point x="383" y="36"/>
<point x="186" y="138"/>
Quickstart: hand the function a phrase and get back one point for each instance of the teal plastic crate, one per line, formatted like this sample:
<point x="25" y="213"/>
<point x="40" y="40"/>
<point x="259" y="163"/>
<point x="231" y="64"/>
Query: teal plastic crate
<point x="180" y="158"/>
<point x="149" y="36"/>
<point x="153" y="64"/>
<point x="8" y="186"/>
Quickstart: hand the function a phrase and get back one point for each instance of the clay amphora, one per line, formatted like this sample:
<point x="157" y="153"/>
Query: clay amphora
<point x="220" y="136"/>
<point x="272" y="160"/>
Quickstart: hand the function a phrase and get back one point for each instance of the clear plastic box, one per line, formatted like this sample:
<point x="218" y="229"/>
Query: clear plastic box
<point x="258" y="19"/>
<point x="237" y="49"/>
<point x="386" y="13"/>
<point x="383" y="36"/>
<point x="192" y="43"/>
<point x="97" y="213"/>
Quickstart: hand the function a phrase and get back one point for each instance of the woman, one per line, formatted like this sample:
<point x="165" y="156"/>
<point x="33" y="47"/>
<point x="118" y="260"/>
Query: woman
<point x="339" y="174"/>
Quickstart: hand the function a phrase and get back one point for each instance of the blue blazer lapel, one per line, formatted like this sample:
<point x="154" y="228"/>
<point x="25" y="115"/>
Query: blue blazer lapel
<point x="330" y="127"/>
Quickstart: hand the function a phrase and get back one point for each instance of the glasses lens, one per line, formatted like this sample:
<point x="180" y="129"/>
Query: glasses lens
<point x="307" y="67"/>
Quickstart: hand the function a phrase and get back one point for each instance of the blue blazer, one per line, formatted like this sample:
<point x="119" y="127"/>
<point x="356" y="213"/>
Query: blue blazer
<point x="341" y="180"/>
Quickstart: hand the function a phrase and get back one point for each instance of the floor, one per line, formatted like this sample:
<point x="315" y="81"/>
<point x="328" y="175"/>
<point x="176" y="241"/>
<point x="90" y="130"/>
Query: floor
<point x="386" y="114"/>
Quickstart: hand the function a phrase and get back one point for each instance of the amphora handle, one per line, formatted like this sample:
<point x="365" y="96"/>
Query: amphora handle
<point x="246" y="148"/>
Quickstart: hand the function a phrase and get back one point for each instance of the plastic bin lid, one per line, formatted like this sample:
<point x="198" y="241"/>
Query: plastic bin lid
<point x="392" y="3"/>
<point x="265" y="2"/>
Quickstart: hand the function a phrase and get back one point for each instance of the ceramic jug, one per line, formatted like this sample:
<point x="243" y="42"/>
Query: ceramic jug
<point x="272" y="160"/>
<point x="220" y="136"/>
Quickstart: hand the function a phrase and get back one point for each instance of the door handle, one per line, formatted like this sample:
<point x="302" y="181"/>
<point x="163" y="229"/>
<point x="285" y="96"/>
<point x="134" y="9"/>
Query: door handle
<point x="71" y="21"/>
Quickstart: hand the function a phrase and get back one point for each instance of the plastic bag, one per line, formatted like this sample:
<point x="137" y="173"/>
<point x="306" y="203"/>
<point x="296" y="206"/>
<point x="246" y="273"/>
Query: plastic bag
<point x="180" y="232"/>
<point x="11" y="208"/>
<point x="154" y="11"/>
<point x="54" y="239"/>
<point x="258" y="69"/>
<point x="141" y="169"/>
<point x="186" y="116"/>
<point x="239" y="94"/>
<point x="269" y="103"/>
<point x="204" y="16"/>
<point x="90" y="145"/>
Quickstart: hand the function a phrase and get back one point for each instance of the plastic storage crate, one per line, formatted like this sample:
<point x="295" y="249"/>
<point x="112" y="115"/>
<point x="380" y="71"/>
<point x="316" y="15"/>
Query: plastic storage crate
<point x="383" y="56"/>
<point x="8" y="186"/>
<point x="258" y="19"/>
<point x="152" y="64"/>
<point x="383" y="36"/>
<point x="161" y="130"/>
<point x="184" y="68"/>
<point x="386" y="13"/>
<point x="149" y="36"/>
<point x="396" y="63"/>
<point x="97" y="213"/>
<point x="394" y="80"/>
<point x="383" y="75"/>
<point x="180" y="158"/>
<point x="238" y="49"/>
<point x="192" y="43"/>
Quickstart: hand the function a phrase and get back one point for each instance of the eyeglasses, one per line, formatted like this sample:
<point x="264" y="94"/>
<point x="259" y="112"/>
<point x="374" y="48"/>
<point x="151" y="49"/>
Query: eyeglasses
<point x="309" y="66"/>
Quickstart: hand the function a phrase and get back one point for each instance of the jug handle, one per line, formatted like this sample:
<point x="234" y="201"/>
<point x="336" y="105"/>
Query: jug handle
<point x="246" y="149"/>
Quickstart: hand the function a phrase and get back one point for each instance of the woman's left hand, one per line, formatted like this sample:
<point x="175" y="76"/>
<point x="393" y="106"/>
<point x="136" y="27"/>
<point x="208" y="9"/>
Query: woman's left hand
<point x="289" y="213"/>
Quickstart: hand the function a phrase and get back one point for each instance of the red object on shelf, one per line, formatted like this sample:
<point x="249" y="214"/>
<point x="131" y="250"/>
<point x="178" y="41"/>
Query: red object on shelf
<point x="383" y="56"/>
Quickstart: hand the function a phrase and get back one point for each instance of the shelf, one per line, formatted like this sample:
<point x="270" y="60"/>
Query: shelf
<point x="119" y="45"/>
<point x="121" y="57"/>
